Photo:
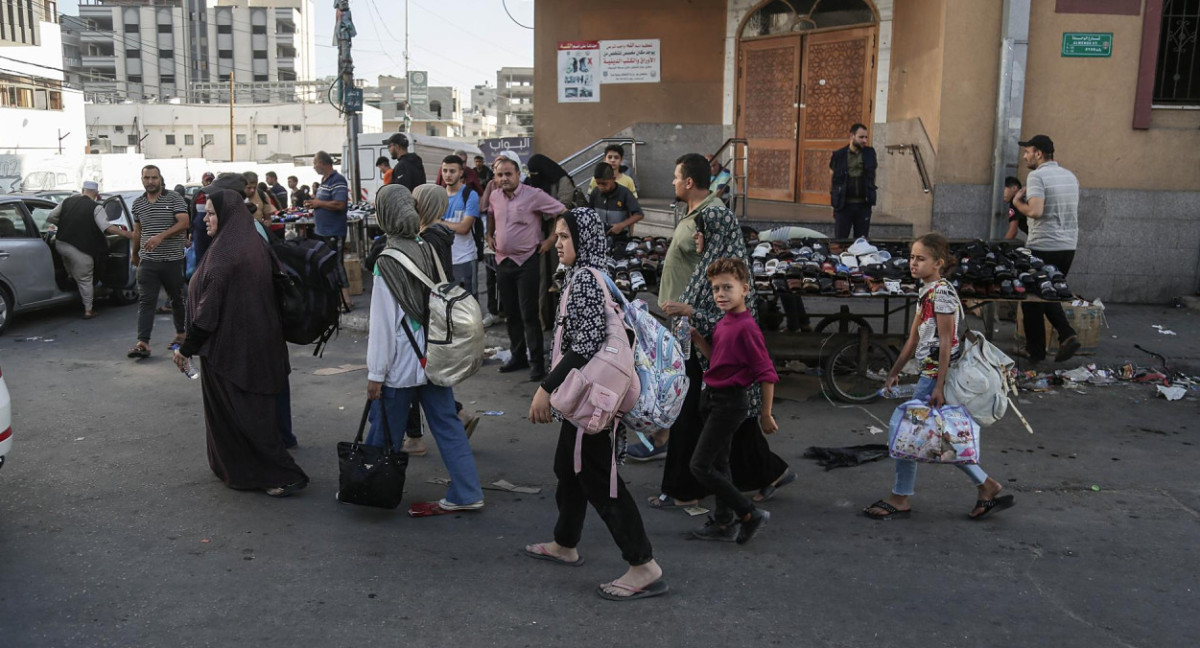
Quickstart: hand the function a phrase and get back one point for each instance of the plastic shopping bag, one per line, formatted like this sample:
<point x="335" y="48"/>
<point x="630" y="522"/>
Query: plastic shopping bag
<point x="945" y="435"/>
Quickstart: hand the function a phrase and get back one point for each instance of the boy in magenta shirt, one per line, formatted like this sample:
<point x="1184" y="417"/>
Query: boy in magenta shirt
<point x="737" y="358"/>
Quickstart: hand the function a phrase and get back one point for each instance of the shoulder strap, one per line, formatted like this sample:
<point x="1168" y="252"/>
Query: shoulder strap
<point x="412" y="267"/>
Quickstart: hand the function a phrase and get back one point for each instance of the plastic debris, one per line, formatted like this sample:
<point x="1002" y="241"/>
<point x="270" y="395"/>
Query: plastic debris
<point x="874" y="430"/>
<point x="1163" y="330"/>
<point x="492" y="413"/>
<point x="695" y="510"/>
<point x="503" y="485"/>
<point x="1095" y="488"/>
<point x="1172" y="393"/>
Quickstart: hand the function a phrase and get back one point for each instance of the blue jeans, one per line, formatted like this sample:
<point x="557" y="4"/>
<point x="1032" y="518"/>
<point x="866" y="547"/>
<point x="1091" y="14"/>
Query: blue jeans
<point x="467" y="274"/>
<point x="906" y="470"/>
<point x="447" y="430"/>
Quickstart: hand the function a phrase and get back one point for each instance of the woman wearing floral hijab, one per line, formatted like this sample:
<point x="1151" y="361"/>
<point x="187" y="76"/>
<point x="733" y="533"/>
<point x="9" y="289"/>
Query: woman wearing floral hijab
<point x="752" y="464"/>
<point x="581" y="246"/>
<point x="395" y="372"/>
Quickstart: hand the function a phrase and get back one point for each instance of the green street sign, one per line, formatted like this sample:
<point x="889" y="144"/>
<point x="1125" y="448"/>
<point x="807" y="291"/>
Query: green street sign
<point x="1080" y="44"/>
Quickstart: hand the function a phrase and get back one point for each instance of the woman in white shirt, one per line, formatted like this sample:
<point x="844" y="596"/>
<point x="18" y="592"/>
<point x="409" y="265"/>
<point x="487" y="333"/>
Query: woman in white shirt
<point x="395" y="351"/>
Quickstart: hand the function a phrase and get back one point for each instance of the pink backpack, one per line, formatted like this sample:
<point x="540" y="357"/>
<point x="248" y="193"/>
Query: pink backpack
<point x="596" y="396"/>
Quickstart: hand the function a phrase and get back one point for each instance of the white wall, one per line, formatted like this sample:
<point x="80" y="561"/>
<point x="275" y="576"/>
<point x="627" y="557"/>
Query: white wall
<point x="39" y="130"/>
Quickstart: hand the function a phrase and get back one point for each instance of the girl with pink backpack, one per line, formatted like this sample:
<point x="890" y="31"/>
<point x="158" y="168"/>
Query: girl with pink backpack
<point x="584" y="459"/>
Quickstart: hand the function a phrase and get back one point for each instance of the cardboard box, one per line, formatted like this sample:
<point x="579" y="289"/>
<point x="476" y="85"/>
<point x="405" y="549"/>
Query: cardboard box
<point x="1086" y="320"/>
<point x="354" y="272"/>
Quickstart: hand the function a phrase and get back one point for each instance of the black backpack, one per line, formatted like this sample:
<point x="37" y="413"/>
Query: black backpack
<point x="306" y="285"/>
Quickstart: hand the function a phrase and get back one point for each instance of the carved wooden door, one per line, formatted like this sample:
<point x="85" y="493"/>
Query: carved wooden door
<point x="836" y="88"/>
<point x="769" y="75"/>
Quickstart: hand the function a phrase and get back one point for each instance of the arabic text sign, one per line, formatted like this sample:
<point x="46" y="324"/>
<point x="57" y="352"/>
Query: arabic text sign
<point x="578" y="72"/>
<point x="522" y="146"/>
<point x="630" y="61"/>
<point x="1076" y="44"/>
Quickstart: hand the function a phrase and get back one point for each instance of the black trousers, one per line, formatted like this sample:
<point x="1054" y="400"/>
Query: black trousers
<point x="574" y="492"/>
<point x="852" y="216"/>
<point x="724" y="410"/>
<point x="1036" y="314"/>
<point x="793" y="307"/>
<point x="153" y="276"/>
<point x="518" y="286"/>
<point x="751" y="462"/>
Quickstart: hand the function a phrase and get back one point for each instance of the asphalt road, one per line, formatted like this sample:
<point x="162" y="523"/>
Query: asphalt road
<point x="114" y="532"/>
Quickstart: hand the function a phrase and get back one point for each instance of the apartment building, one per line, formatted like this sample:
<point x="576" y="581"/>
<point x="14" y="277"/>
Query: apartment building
<point x="39" y="114"/>
<point x="514" y="100"/>
<point x="440" y="116"/>
<point x="157" y="50"/>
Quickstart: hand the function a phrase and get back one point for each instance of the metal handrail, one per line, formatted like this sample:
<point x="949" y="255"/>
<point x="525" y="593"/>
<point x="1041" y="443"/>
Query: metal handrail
<point x="591" y="162"/>
<point x="916" y="151"/>
<point x="739" y="200"/>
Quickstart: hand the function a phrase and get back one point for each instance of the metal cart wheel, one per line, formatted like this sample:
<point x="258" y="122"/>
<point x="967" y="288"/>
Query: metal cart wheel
<point x="843" y="323"/>
<point x="855" y="371"/>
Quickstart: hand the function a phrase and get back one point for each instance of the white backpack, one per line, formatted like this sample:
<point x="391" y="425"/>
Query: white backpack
<point x="454" y="337"/>
<point x="981" y="380"/>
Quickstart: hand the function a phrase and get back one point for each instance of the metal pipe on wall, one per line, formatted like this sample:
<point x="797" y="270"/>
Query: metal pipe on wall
<point x="1010" y="101"/>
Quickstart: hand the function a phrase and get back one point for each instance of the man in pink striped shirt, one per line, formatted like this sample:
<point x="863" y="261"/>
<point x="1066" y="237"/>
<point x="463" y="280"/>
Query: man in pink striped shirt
<point x="515" y="215"/>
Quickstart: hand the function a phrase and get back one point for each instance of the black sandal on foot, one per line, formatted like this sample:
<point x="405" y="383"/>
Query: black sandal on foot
<point x="139" y="351"/>
<point x="998" y="504"/>
<point x="892" y="511"/>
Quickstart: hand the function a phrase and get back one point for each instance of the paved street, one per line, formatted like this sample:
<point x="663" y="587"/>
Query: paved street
<point x="114" y="532"/>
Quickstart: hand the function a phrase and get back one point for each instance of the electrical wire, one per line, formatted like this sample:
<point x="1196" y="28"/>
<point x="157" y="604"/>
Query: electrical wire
<point x="504" y="3"/>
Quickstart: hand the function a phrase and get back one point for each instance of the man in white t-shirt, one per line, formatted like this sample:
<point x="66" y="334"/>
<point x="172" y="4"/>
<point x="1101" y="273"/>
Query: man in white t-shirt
<point x="461" y="211"/>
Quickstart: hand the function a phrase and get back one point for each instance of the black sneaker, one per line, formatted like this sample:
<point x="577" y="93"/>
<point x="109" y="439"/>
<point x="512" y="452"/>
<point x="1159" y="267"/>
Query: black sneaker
<point x="514" y="365"/>
<point x="537" y="374"/>
<point x="1067" y="349"/>
<point x="713" y="531"/>
<point x="758" y="520"/>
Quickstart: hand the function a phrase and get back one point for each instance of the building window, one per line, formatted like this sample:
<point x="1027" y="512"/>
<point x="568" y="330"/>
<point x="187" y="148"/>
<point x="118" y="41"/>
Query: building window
<point x="260" y="54"/>
<point x="132" y="139"/>
<point x="168" y="78"/>
<point x="166" y="53"/>
<point x="241" y="140"/>
<point x="262" y="78"/>
<point x="296" y="128"/>
<point x="262" y="139"/>
<point x="118" y="129"/>
<point x="164" y="29"/>
<point x="285" y="128"/>
<point x="170" y="140"/>
<point x="225" y="29"/>
<point x="189" y="140"/>
<point x="131" y="28"/>
<point x="225" y="54"/>
<point x="208" y="140"/>
<point x="1177" y="75"/>
<point x="133" y="54"/>
<point x="435" y="107"/>
<point x="135" y="78"/>
<point x="258" y="29"/>
<point x="56" y="102"/>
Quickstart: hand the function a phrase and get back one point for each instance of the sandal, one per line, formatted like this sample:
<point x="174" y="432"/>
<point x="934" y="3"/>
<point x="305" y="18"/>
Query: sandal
<point x="997" y="504"/>
<point x="657" y="588"/>
<point x="664" y="501"/>
<point x="767" y="492"/>
<point x="284" y="491"/>
<point x="892" y="511"/>
<point x="139" y="351"/>
<point x="539" y="553"/>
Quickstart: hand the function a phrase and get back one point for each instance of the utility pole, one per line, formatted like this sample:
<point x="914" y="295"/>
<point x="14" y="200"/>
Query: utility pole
<point x="407" y="81"/>
<point x="231" y="155"/>
<point x="351" y="100"/>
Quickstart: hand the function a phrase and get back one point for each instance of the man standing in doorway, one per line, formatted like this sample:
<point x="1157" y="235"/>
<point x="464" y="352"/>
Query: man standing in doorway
<point x="409" y="170"/>
<point x="852" y="191"/>
<point x="160" y="223"/>
<point x="277" y="190"/>
<point x="1050" y="200"/>
<point x="329" y="215"/>
<point x="82" y="224"/>
<point x="462" y="211"/>
<point x="515" y="232"/>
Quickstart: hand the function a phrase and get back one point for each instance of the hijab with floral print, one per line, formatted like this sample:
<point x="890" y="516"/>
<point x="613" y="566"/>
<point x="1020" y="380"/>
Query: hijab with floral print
<point x="588" y="235"/>
<point x="722" y="239"/>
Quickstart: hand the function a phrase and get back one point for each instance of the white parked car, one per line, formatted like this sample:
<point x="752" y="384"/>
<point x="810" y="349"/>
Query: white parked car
<point x="5" y="420"/>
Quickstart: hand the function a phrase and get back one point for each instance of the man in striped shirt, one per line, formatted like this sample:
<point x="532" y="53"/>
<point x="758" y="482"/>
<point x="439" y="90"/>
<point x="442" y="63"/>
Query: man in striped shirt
<point x="160" y="221"/>
<point x="1050" y="200"/>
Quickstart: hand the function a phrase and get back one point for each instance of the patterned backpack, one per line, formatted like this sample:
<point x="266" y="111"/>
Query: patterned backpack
<point x="659" y="361"/>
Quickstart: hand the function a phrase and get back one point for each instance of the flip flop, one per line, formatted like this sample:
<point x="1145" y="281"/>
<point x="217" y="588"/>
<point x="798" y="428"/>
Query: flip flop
<point x="657" y="588"/>
<point x="998" y="504"/>
<point x="892" y="511"/>
<point x="768" y="491"/>
<point x="666" y="502"/>
<point x="138" y="351"/>
<point x="542" y="554"/>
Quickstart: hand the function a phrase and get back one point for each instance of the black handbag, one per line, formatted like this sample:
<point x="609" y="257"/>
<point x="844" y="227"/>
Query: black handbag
<point x="369" y="475"/>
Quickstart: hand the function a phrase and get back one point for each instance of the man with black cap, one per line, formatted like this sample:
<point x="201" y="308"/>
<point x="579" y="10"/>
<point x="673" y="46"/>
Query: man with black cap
<point x="82" y="224"/>
<point x="410" y="170"/>
<point x="1050" y="200"/>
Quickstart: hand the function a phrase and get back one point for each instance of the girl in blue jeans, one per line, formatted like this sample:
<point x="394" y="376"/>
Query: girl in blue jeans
<point x="934" y="341"/>
<point x="395" y="354"/>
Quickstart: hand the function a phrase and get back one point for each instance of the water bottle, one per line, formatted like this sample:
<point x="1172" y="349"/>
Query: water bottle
<point x="191" y="371"/>
<point x="683" y="333"/>
<point x="899" y="391"/>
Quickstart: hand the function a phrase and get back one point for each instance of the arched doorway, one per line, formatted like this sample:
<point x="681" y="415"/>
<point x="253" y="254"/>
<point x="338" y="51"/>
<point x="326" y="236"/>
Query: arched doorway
<point x="805" y="73"/>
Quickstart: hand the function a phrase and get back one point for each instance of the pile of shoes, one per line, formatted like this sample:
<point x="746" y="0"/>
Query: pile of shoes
<point x="1001" y="270"/>
<point x="820" y="267"/>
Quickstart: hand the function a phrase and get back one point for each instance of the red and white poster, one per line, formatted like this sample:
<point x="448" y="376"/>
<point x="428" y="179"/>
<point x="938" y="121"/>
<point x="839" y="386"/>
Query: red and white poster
<point x="579" y="72"/>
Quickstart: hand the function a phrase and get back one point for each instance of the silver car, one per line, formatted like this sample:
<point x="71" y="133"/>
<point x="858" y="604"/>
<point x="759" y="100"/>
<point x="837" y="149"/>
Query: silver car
<point x="32" y="275"/>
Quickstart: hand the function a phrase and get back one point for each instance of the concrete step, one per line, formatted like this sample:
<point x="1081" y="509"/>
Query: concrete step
<point x="763" y="215"/>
